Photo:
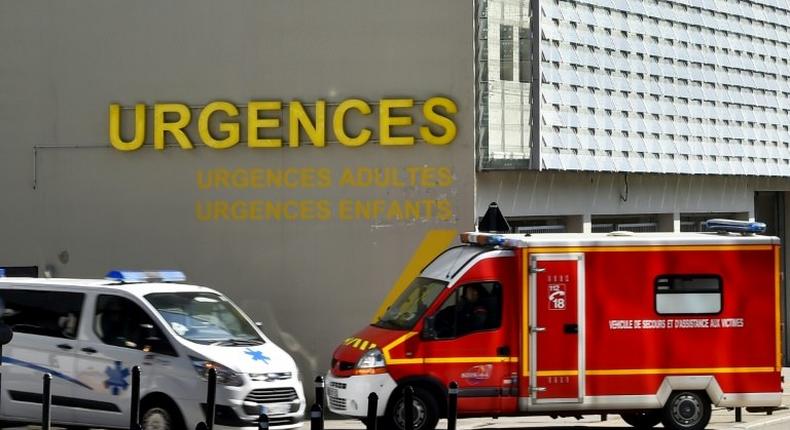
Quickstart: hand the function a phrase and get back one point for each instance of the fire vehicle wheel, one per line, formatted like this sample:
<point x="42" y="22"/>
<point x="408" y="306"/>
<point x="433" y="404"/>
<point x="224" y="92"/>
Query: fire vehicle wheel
<point x="642" y="419"/>
<point x="425" y="411"/>
<point x="686" y="410"/>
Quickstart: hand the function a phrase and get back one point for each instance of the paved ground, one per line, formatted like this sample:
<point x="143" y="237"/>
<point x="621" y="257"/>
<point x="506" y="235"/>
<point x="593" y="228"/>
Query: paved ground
<point x="722" y="419"/>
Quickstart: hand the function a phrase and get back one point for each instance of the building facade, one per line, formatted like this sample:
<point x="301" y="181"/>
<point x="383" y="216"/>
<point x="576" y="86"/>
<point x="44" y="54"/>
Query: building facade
<point x="308" y="158"/>
<point x="651" y="115"/>
<point x="302" y="157"/>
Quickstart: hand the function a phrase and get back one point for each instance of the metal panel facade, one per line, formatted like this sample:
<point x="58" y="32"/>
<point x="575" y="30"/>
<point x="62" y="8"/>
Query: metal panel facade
<point x="661" y="87"/>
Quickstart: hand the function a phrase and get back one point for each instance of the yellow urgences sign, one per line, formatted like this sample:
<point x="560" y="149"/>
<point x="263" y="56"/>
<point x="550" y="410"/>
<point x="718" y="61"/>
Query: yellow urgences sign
<point x="394" y="116"/>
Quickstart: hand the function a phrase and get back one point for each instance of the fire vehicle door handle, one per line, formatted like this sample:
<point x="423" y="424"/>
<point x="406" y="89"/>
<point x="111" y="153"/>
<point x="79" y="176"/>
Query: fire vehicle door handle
<point x="571" y="328"/>
<point x="65" y="346"/>
<point x="503" y="351"/>
<point x="537" y="329"/>
<point x="89" y="350"/>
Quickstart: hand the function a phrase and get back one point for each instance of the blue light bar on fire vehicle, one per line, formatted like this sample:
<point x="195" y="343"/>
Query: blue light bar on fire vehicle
<point x="129" y="276"/>
<point x="733" y="226"/>
<point x="483" y="239"/>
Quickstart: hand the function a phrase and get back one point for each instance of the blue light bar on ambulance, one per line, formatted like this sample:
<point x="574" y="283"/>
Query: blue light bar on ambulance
<point x="483" y="239"/>
<point x="129" y="276"/>
<point x="734" y="226"/>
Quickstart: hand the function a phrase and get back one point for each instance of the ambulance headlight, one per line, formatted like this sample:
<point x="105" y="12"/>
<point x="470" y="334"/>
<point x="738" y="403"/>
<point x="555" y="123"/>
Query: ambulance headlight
<point x="371" y="362"/>
<point x="225" y="376"/>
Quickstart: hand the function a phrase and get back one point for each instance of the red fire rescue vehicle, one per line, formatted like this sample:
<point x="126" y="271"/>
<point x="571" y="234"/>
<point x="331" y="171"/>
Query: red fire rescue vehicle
<point x="654" y="326"/>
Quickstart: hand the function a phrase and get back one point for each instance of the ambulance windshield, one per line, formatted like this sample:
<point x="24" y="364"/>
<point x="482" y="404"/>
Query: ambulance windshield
<point x="205" y="318"/>
<point x="411" y="304"/>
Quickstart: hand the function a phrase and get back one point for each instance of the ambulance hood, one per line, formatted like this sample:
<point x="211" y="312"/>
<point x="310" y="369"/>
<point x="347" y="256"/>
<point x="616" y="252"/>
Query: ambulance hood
<point x="370" y="337"/>
<point x="248" y="359"/>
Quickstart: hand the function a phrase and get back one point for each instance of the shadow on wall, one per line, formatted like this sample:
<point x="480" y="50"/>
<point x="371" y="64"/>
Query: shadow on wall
<point x="306" y="362"/>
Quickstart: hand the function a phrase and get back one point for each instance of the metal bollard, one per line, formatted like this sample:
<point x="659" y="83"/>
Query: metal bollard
<point x="316" y="417"/>
<point x="373" y="407"/>
<point x="738" y="416"/>
<point x="211" y="405"/>
<point x="134" y="416"/>
<point x="408" y="406"/>
<point x="319" y="391"/>
<point x="263" y="421"/>
<point x="46" y="404"/>
<point x="452" y="405"/>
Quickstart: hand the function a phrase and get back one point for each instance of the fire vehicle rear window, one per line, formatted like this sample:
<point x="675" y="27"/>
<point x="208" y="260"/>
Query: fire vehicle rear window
<point x="688" y="294"/>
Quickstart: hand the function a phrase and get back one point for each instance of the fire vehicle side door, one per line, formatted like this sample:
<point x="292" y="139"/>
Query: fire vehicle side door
<point x="556" y="328"/>
<point x="474" y="341"/>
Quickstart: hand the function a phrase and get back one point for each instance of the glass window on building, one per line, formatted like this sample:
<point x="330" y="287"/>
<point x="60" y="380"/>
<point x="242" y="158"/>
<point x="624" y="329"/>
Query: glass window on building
<point x="506" y="52"/>
<point x="524" y="54"/>
<point x="635" y="223"/>
<point x="536" y="224"/>
<point x="696" y="221"/>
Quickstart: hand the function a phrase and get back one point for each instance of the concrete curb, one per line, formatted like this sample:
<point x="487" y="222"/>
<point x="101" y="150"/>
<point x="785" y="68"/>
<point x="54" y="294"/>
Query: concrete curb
<point x="762" y="423"/>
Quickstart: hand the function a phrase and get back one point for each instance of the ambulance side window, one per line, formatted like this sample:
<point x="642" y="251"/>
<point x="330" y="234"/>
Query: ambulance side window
<point x="119" y="321"/>
<point x="44" y="313"/>
<point x="688" y="294"/>
<point x="471" y="308"/>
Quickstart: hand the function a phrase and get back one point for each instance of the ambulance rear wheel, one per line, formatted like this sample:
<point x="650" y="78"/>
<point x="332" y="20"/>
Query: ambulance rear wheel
<point x="642" y="419"/>
<point x="686" y="410"/>
<point x="425" y="411"/>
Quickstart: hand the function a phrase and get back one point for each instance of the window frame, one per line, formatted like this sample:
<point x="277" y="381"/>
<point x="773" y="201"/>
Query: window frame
<point x="455" y="293"/>
<point x="719" y="292"/>
<point x="82" y="296"/>
<point x="166" y="347"/>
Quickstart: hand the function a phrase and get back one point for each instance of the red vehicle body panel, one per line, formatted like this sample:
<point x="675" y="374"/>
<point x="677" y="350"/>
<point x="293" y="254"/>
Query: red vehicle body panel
<point x="622" y="347"/>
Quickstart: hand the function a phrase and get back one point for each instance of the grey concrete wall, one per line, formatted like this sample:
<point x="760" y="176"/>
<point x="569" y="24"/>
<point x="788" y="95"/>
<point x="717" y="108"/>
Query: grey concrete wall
<point x="66" y="192"/>
<point x="529" y="193"/>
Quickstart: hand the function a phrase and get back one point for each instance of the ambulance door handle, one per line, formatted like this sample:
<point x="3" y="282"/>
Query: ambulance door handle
<point x="65" y="347"/>
<point x="89" y="350"/>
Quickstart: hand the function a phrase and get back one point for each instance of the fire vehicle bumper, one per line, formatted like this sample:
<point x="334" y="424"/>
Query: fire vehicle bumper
<point x="349" y="396"/>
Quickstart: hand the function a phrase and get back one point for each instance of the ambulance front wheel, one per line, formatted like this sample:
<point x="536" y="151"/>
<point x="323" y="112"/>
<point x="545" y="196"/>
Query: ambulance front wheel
<point x="425" y="411"/>
<point x="161" y="415"/>
<point x="686" y="410"/>
<point x="642" y="419"/>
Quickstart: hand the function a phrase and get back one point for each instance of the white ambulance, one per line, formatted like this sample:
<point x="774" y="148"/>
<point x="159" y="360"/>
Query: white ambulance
<point x="88" y="334"/>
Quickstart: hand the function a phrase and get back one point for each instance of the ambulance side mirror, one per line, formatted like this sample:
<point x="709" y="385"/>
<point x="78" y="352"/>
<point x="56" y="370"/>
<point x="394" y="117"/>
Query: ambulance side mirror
<point x="5" y="334"/>
<point x="149" y="332"/>
<point x="428" y="329"/>
<point x="155" y="341"/>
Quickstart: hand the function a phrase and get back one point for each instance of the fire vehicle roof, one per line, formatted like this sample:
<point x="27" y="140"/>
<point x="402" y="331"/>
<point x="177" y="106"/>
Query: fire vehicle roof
<point x="619" y="238"/>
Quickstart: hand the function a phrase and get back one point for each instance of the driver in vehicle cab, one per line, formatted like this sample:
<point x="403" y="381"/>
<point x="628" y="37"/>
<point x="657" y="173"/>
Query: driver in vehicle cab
<point x="473" y="312"/>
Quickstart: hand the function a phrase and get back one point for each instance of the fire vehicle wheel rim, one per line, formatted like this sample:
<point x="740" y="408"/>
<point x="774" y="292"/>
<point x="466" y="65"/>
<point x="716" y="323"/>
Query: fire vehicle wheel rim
<point x="687" y="410"/>
<point x="156" y="419"/>
<point x="419" y="414"/>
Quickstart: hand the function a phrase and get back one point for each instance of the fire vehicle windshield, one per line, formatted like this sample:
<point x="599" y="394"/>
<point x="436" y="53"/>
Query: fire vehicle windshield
<point x="411" y="304"/>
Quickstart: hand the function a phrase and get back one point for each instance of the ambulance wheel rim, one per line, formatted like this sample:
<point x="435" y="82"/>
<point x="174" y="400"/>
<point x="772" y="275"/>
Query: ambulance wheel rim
<point x="156" y="419"/>
<point x="687" y="410"/>
<point x="418" y="413"/>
